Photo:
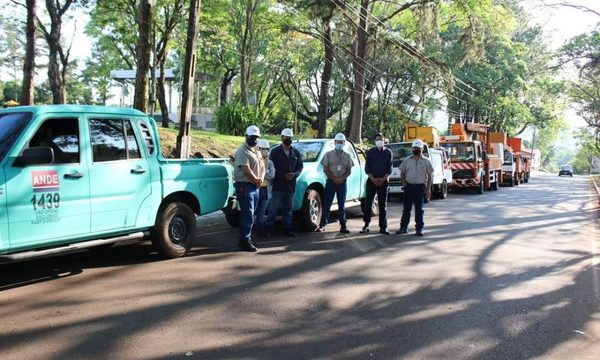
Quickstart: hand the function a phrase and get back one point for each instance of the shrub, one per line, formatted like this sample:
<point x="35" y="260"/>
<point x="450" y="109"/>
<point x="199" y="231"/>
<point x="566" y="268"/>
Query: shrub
<point x="234" y="118"/>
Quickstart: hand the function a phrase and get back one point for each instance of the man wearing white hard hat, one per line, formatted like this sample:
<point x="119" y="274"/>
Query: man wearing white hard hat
<point x="248" y="174"/>
<point x="265" y="188"/>
<point x="337" y="165"/>
<point x="416" y="175"/>
<point x="287" y="161"/>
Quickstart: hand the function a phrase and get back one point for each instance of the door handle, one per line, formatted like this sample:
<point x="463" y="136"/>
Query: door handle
<point x="138" y="171"/>
<point x="75" y="175"/>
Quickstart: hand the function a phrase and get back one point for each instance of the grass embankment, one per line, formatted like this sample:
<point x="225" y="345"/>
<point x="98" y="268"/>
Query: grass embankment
<point x="205" y="144"/>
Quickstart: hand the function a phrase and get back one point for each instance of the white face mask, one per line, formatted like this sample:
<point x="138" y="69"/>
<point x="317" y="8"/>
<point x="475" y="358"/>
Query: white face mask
<point x="379" y="143"/>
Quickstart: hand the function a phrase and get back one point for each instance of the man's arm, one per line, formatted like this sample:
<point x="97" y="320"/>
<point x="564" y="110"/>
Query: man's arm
<point x="250" y="174"/>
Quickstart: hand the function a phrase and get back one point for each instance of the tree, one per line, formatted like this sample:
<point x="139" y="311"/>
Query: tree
<point x="143" y="46"/>
<point x="29" y="62"/>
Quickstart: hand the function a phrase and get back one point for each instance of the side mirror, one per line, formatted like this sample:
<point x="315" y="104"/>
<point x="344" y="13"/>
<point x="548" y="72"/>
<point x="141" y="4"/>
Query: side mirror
<point x="41" y="155"/>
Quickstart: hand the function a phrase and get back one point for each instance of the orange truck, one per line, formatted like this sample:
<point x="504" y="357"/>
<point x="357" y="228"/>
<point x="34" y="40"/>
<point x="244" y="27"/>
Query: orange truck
<point x="475" y="160"/>
<point x="516" y="166"/>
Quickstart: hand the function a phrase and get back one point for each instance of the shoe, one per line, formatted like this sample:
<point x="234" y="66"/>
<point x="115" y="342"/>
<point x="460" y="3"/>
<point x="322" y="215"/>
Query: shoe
<point x="384" y="232"/>
<point x="365" y="230"/>
<point x="320" y="229"/>
<point x="289" y="233"/>
<point x="419" y="233"/>
<point x="247" y="246"/>
<point x="344" y="230"/>
<point x="402" y="231"/>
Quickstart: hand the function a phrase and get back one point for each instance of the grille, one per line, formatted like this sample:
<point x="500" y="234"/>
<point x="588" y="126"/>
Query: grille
<point x="462" y="174"/>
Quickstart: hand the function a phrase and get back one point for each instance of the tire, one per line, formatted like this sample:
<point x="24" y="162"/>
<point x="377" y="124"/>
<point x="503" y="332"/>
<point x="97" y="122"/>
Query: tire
<point x="232" y="214"/>
<point x="374" y="208"/>
<point x="443" y="190"/>
<point x="516" y="180"/>
<point x="174" y="231"/>
<point x="495" y="185"/>
<point x="481" y="189"/>
<point x="311" y="211"/>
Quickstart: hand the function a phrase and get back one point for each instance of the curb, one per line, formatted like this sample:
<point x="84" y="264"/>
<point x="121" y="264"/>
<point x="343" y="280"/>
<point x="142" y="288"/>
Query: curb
<point x="596" y="186"/>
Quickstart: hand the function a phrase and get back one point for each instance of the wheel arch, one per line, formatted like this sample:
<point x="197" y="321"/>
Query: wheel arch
<point x="185" y="197"/>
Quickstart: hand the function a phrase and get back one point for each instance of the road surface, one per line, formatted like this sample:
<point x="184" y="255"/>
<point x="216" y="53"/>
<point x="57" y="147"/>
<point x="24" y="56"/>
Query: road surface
<point x="511" y="274"/>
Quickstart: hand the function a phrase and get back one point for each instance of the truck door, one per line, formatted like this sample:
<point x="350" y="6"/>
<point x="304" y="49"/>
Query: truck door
<point x="435" y="157"/>
<point x="355" y="180"/>
<point x="49" y="203"/>
<point x="120" y="176"/>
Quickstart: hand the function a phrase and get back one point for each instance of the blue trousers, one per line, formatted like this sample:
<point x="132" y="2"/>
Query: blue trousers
<point x="261" y="207"/>
<point x="247" y="197"/>
<point x="284" y="201"/>
<point x="331" y="190"/>
<point x="413" y="194"/>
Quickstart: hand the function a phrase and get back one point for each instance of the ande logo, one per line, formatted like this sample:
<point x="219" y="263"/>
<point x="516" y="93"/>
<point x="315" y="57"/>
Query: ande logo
<point x="45" y="180"/>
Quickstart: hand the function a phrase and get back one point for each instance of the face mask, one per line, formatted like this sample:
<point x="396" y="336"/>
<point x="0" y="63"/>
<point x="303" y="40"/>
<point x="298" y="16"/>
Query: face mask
<point x="417" y="152"/>
<point x="379" y="143"/>
<point x="251" y="141"/>
<point x="339" y="147"/>
<point x="287" y="142"/>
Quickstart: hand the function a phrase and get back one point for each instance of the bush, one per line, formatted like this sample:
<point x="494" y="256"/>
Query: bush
<point x="234" y="118"/>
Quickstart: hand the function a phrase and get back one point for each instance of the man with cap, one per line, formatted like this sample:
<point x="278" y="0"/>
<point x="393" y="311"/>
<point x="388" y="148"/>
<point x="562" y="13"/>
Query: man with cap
<point x="248" y="174"/>
<point x="337" y="165"/>
<point x="264" y="192"/>
<point x="287" y="161"/>
<point x="378" y="166"/>
<point x="416" y="175"/>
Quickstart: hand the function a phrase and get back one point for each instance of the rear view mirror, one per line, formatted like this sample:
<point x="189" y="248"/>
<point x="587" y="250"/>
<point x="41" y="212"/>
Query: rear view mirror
<point x="40" y="155"/>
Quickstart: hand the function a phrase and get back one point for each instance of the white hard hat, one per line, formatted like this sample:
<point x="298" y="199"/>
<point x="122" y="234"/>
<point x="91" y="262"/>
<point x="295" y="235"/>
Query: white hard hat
<point x="262" y="143"/>
<point x="417" y="143"/>
<point x="252" y="130"/>
<point x="287" y="132"/>
<point x="339" y="137"/>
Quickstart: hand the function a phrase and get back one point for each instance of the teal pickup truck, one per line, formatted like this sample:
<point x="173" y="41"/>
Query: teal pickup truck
<point x="79" y="176"/>
<point x="310" y="185"/>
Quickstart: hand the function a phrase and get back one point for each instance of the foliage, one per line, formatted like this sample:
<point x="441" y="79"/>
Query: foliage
<point x="234" y="118"/>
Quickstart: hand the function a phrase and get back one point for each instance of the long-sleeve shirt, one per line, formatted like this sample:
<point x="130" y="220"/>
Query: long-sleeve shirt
<point x="285" y="163"/>
<point x="379" y="162"/>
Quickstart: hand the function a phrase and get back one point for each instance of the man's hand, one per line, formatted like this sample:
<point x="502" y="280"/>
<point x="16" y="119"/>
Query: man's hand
<point x="258" y="182"/>
<point x="290" y="176"/>
<point x="428" y="194"/>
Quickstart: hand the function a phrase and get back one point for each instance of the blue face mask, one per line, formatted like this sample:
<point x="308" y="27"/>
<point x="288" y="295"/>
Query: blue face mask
<point x="339" y="147"/>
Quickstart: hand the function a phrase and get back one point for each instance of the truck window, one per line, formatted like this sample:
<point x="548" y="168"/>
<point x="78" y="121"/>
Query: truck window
<point x="11" y="126"/>
<point x="109" y="140"/>
<point x="62" y="135"/>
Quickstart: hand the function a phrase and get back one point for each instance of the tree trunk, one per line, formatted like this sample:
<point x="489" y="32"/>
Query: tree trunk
<point x="143" y="46"/>
<point x="29" y="63"/>
<point x="55" y="75"/>
<point x="161" y="93"/>
<point x="224" y="86"/>
<point x="323" y="110"/>
<point x="245" y="47"/>
<point x="358" y="68"/>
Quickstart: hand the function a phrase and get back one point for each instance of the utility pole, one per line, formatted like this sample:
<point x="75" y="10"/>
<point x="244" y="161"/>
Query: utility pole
<point x="183" y="139"/>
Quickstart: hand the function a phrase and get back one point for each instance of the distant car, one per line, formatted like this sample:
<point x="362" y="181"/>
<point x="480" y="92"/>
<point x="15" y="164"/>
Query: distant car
<point x="565" y="170"/>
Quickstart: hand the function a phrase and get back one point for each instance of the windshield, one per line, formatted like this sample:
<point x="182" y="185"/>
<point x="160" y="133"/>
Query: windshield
<point x="460" y="152"/>
<point x="11" y="126"/>
<point x="309" y="150"/>
<point x="565" y="167"/>
<point x="508" y="158"/>
<point x="399" y="152"/>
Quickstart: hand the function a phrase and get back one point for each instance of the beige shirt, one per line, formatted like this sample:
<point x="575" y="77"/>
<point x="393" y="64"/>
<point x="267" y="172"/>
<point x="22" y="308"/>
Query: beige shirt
<point x="246" y="155"/>
<point x="416" y="170"/>
<point x="339" y="162"/>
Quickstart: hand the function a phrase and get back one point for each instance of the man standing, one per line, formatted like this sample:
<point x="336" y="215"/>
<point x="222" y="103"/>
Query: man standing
<point x="378" y="167"/>
<point x="337" y="165"/>
<point x="415" y="172"/>
<point x="264" y="192"/>
<point x="248" y="175"/>
<point x="288" y="165"/>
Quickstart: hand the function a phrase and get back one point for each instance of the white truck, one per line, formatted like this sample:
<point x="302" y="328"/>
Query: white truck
<point x="442" y="174"/>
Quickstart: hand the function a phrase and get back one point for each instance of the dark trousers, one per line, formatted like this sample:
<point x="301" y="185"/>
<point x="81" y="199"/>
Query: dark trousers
<point x="382" y="197"/>
<point x="413" y="194"/>
<point x="261" y="208"/>
<point x="247" y="197"/>
<point x="331" y="190"/>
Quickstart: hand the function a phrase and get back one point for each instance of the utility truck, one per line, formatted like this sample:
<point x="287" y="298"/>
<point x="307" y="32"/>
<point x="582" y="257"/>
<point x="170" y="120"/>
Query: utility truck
<point x="475" y="161"/>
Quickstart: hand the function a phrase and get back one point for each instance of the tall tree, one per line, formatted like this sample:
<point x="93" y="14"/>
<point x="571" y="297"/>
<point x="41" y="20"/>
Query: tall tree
<point x="143" y="48"/>
<point x="29" y="62"/>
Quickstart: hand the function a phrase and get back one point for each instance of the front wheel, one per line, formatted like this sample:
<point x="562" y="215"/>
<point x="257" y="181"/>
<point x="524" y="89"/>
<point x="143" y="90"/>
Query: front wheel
<point x="311" y="211"/>
<point x="232" y="214"/>
<point x="481" y="187"/>
<point x="174" y="231"/>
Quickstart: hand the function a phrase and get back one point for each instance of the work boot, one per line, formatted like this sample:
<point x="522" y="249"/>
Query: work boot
<point x="365" y="229"/>
<point x="344" y="229"/>
<point x="402" y="231"/>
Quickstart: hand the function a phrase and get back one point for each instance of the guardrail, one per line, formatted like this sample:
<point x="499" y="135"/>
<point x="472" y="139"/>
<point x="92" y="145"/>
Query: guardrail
<point x="596" y="182"/>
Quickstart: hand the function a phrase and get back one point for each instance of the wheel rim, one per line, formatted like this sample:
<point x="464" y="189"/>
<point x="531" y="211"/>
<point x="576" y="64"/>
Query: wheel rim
<point x="178" y="230"/>
<point x="314" y="209"/>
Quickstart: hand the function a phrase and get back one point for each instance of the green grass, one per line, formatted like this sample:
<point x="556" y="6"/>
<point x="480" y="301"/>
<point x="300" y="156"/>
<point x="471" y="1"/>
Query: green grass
<point x="205" y="144"/>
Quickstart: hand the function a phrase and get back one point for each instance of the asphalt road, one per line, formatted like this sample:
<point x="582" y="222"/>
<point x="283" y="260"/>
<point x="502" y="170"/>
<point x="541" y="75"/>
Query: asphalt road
<point x="511" y="274"/>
